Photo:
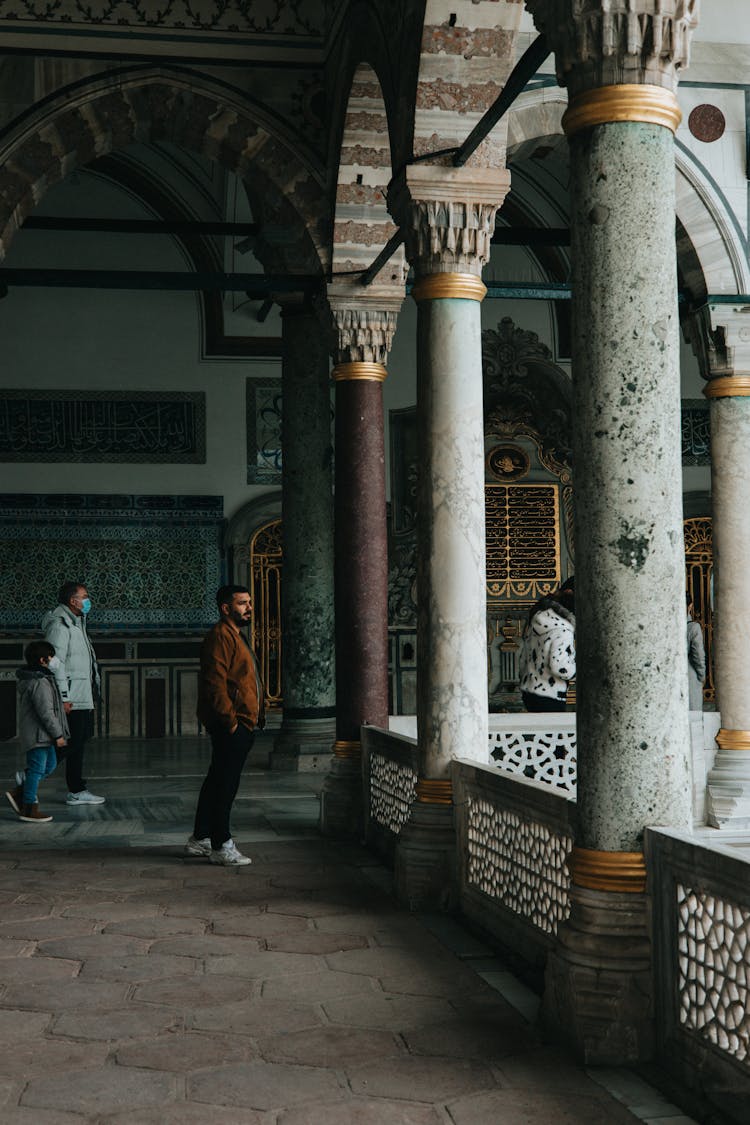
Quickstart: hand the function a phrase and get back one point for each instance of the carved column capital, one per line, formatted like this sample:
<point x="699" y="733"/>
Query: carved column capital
<point x="362" y="326"/>
<point x="719" y="335"/>
<point x="612" y="42"/>
<point x="447" y="215"/>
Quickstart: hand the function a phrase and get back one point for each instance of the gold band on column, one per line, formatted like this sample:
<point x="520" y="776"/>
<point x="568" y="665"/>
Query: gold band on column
<point x="733" y="739"/>
<point x="359" y="369"/>
<point x="728" y="386"/>
<point x="608" y="871"/>
<point x="430" y="792"/>
<point x="653" y="105"/>
<point x="348" y="750"/>
<point x="437" y="286"/>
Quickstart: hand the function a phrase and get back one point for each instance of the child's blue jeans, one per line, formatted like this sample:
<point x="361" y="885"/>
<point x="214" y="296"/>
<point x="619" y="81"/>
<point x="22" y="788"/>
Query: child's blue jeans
<point x="40" y="762"/>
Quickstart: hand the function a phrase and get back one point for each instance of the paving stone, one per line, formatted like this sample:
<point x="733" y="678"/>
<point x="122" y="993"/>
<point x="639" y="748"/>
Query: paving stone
<point x="12" y="947"/>
<point x="189" y="1113"/>
<point x="420" y="1079"/>
<point x="406" y="935"/>
<point x="124" y="1023"/>
<point x="260" y="1017"/>
<point x="513" y="1108"/>
<point x="110" y="911"/>
<point x="39" y="969"/>
<point x="54" y="996"/>
<point x="486" y="1039"/>
<point x="365" y="923"/>
<point x="197" y="992"/>
<point x="24" y="1116"/>
<point x="16" y="911"/>
<point x="264" y="964"/>
<point x="152" y="928"/>
<point x="261" y="1085"/>
<point x="185" y="1051"/>
<point x="205" y="945"/>
<point x="93" y="945"/>
<point x="521" y="1071"/>
<point x="260" y="925"/>
<point x="360" y="1111"/>
<point x="37" y="929"/>
<point x="120" y="885"/>
<point x="329" y="1046"/>
<point x="379" y="962"/>
<point x="309" y="908"/>
<point x="44" y="1055"/>
<point x="444" y="983"/>
<point x="16" y="1025"/>
<point x="141" y="967"/>
<point x="393" y="1013"/>
<point x="310" y="942"/>
<point x="96" y="1091"/>
<point x="315" y="987"/>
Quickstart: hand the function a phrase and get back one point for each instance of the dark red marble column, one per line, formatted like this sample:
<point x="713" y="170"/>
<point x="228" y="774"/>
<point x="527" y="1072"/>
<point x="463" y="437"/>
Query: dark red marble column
<point x="361" y="555"/>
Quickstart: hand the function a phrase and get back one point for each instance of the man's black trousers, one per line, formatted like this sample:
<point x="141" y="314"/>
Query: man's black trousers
<point x="228" y="754"/>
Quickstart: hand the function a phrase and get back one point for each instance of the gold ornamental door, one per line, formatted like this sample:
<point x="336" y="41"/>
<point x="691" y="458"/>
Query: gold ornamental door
<point x="699" y="569"/>
<point x="265" y="585"/>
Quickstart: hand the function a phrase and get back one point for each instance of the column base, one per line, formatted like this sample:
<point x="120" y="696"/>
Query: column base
<point x="425" y="861"/>
<point x="598" y="988"/>
<point x="728" y="790"/>
<point x="342" y="801"/>
<point x="303" y="745"/>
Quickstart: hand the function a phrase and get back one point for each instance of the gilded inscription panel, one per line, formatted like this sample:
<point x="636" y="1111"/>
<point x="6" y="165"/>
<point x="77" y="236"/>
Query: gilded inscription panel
<point x="523" y="540"/>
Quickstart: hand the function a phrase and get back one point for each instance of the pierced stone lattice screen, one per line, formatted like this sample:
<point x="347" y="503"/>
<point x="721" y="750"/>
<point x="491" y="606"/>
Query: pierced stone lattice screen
<point x="548" y="756"/>
<point x="393" y="788"/>
<point x="713" y="938"/>
<point x="518" y="863"/>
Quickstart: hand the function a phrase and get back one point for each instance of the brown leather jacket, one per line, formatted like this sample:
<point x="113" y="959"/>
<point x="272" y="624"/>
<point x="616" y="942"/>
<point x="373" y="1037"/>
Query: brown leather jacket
<point x="229" y="685"/>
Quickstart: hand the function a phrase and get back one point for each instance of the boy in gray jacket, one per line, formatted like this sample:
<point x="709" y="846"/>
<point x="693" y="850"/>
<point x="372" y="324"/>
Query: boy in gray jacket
<point x="42" y="726"/>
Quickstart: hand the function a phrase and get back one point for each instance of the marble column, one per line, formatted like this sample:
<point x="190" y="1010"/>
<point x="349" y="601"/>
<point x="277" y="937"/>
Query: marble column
<point x="724" y="354"/>
<point x="633" y="734"/>
<point x="448" y="218"/>
<point x="307" y="673"/>
<point x="363" y="336"/>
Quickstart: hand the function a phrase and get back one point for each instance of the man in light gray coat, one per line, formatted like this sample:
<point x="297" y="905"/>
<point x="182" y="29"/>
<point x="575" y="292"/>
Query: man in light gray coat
<point x="78" y="679"/>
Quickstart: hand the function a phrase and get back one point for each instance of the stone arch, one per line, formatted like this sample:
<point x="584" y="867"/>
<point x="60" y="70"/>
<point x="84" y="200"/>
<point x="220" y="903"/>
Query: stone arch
<point x="171" y="104"/>
<point x="718" y="247"/>
<point x="362" y="224"/>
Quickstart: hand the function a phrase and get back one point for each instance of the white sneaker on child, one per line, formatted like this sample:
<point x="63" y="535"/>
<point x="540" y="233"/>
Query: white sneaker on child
<point x="229" y="856"/>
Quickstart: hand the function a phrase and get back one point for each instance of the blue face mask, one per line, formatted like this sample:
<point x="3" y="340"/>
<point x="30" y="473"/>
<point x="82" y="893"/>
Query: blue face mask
<point x="86" y="605"/>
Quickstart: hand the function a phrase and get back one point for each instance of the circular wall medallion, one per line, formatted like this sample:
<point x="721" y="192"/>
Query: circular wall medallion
<point x="508" y="462"/>
<point x="706" y="122"/>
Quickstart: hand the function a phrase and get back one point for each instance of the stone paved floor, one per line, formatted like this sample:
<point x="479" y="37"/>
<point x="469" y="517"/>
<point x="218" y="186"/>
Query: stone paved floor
<point x="140" y="986"/>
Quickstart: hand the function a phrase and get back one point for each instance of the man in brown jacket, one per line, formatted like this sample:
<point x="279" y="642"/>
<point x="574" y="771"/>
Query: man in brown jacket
<point x="230" y="706"/>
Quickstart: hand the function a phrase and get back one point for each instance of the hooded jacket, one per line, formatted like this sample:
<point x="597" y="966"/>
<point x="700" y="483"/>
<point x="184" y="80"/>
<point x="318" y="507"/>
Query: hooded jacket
<point x="78" y="674"/>
<point x="547" y="660"/>
<point x="41" y="715"/>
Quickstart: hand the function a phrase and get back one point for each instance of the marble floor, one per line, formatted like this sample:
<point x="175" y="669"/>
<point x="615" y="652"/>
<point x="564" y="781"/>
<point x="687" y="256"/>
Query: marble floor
<point x="141" y="986"/>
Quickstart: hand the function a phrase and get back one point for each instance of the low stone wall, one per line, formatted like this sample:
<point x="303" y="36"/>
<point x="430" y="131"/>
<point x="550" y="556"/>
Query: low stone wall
<point x="512" y="839"/>
<point x="389" y="771"/>
<point x="700" y="890"/>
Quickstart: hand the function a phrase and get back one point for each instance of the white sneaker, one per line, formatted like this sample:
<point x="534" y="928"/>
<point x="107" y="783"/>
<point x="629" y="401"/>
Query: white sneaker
<point x="198" y="847"/>
<point x="228" y="855"/>
<point x="84" y="798"/>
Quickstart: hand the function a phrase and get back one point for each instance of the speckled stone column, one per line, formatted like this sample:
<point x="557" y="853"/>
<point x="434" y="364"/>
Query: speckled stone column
<point x="361" y="555"/>
<point x="448" y="219"/>
<point x="726" y="339"/>
<point x="633" y="732"/>
<point x="308" y="686"/>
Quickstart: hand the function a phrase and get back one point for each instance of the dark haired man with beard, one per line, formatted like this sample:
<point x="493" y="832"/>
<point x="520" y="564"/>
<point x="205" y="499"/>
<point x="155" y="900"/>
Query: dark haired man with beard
<point x="230" y="706"/>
